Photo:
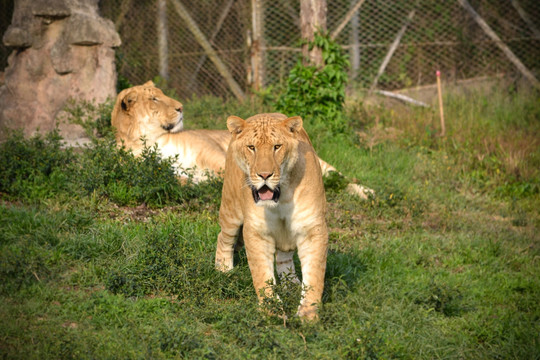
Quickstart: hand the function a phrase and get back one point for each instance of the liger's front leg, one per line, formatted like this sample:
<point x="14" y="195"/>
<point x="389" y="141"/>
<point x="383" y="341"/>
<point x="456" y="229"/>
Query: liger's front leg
<point x="312" y="252"/>
<point x="260" y="255"/>
<point x="225" y="251"/>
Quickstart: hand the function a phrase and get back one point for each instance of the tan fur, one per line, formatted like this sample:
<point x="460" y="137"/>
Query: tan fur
<point x="271" y="151"/>
<point x="144" y="111"/>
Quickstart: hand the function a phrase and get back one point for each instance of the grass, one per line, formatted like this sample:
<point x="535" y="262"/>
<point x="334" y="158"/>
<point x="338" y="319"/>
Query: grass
<point x="442" y="263"/>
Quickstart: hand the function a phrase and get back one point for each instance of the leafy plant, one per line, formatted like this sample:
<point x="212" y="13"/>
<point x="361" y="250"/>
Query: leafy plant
<point x="287" y="294"/>
<point x="94" y="118"/>
<point x="318" y="94"/>
<point x="35" y="167"/>
<point x="126" y="179"/>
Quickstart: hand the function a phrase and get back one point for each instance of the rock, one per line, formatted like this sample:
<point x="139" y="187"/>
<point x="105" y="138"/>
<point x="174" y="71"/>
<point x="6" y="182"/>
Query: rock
<point x="62" y="50"/>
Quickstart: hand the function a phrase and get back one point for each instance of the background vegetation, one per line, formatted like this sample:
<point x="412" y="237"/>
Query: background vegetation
<point x="103" y="255"/>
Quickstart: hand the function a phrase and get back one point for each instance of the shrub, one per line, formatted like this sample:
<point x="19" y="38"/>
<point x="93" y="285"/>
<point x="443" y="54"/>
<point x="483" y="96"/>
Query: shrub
<point x="318" y="94"/>
<point x="116" y="173"/>
<point x="37" y="167"/>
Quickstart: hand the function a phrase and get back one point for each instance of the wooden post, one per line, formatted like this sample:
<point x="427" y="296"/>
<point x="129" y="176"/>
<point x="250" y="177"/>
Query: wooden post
<point x="202" y="59"/>
<point x="163" y="50"/>
<point x="526" y="18"/>
<point x="256" y="48"/>
<point x="346" y="19"/>
<point x="391" y="51"/>
<point x="201" y="39"/>
<point x="125" y="6"/>
<point x="509" y="54"/>
<point x="355" y="44"/>
<point x="441" y="111"/>
<point x="312" y="19"/>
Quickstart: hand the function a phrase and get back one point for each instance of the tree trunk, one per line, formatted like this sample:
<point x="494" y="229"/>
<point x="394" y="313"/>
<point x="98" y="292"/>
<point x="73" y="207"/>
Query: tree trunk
<point x="312" y="19"/>
<point x="355" y="45"/>
<point x="257" y="56"/>
<point x="163" y="49"/>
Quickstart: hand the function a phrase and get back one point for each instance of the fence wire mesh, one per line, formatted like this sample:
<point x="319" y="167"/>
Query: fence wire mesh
<point x="196" y="36"/>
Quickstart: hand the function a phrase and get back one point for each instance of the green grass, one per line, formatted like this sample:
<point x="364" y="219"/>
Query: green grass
<point x="442" y="263"/>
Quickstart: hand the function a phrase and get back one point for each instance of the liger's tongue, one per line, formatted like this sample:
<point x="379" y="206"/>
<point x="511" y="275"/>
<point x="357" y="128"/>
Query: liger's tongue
<point x="265" y="193"/>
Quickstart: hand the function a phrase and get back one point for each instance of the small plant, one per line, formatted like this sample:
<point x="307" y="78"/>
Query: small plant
<point x="95" y="119"/>
<point x="318" y="94"/>
<point x="334" y="181"/>
<point x="287" y="294"/>
<point x="128" y="180"/>
<point x="442" y="299"/>
<point x="21" y="264"/>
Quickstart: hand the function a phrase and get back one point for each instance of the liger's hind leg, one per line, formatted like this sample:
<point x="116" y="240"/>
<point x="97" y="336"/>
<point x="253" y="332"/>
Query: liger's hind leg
<point x="285" y="265"/>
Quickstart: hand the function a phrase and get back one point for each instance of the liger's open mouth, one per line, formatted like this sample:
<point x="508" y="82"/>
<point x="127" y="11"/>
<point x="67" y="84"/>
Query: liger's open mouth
<point x="265" y="194"/>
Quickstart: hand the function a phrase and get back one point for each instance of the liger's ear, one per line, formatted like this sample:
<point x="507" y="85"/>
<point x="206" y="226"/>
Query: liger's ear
<point x="235" y="124"/>
<point x="129" y="100"/>
<point x="294" y="124"/>
<point x="149" y="83"/>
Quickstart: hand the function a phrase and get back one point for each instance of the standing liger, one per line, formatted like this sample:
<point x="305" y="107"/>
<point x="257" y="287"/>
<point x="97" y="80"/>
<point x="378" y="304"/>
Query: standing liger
<point x="273" y="192"/>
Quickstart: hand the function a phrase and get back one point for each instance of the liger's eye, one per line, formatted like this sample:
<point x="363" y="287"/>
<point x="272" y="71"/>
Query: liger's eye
<point x="155" y="99"/>
<point x="277" y="147"/>
<point x="251" y="147"/>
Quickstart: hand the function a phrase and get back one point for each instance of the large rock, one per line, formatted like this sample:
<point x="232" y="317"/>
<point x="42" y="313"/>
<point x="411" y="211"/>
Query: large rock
<point x="63" y="49"/>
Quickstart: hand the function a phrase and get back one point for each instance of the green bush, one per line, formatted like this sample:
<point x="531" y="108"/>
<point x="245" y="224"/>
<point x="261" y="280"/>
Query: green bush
<point x="37" y="167"/>
<point x="318" y="94"/>
<point x="127" y="180"/>
<point x="178" y="262"/>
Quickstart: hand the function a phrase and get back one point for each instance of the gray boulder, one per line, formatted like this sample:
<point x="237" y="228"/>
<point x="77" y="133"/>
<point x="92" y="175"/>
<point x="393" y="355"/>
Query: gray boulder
<point x="62" y="50"/>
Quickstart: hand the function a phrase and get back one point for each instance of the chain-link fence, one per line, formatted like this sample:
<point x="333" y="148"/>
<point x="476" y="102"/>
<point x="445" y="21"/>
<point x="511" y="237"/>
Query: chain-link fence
<point x="208" y="47"/>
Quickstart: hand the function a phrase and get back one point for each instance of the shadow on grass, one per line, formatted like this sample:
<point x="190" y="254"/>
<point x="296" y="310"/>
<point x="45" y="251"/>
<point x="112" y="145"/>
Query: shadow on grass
<point x="343" y="272"/>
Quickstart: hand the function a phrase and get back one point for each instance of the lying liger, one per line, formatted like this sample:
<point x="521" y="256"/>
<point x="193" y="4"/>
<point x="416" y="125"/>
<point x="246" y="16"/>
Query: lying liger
<point x="273" y="192"/>
<point x="145" y="112"/>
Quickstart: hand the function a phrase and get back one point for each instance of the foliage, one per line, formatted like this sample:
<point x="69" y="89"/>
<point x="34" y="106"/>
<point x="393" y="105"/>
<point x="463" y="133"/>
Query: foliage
<point x="115" y="173"/>
<point x="176" y="262"/>
<point x="335" y="182"/>
<point x="318" y="94"/>
<point x="34" y="167"/>
<point x="287" y="294"/>
<point x="95" y="119"/>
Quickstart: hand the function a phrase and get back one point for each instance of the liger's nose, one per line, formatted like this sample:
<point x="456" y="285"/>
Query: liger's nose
<point x="265" y="175"/>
